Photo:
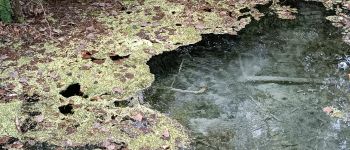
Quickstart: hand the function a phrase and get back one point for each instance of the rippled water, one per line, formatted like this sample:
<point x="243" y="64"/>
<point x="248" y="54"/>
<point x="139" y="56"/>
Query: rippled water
<point x="234" y="113"/>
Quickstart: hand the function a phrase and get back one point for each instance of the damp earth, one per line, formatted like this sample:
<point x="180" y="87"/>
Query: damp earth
<point x="263" y="89"/>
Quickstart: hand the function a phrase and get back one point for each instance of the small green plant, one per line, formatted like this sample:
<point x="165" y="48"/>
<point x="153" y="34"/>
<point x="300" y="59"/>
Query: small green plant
<point x="5" y="11"/>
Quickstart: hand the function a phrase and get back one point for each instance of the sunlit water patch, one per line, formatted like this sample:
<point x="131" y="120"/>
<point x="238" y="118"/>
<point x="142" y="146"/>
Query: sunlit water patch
<point x="264" y="89"/>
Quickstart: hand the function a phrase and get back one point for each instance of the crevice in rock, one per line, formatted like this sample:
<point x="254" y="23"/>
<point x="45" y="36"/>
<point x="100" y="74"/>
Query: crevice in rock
<point x="73" y="90"/>
<point x="27" y="125"/>
<point x="66" y="109"/>
<point x="117" y="57"/>
<point x="123" y="103"/>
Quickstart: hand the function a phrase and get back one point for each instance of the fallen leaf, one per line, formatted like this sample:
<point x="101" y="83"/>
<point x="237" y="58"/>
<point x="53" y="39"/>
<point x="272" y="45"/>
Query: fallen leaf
<point x="328" y="109"/>
<point x="17" y="145"/>
<point x="85" y="55"/>
<point x="91" y="28"/>
<point x="129" y="75"/>
<point x="118" y="90"/>
<point x="166" y="147"/>
<point x="39" y="118"/>
<point x="98" y="61"/>
<point x="337" y="114"/>
<point x="58" y="31"/>
<point x="2" y="92"/>
<point x="166" y="135"/>
<point x="61" y="39"/>
<point x="91" y="36"/>
<point x="138" y="117"/>
<point x="4" y="140"/>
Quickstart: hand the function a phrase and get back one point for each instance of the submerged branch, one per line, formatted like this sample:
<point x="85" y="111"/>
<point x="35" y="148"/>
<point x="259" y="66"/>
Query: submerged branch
<point x="272" y="79"/>
<point x="202" y="90"/>
<point x="178" y="72"/>
<point x="276" y="79"/>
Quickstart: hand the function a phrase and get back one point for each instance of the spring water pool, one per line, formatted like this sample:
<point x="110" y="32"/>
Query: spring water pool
<point x="263" y="89"/>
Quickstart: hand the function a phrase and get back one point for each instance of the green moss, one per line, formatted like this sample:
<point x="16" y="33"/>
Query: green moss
<point x="5" y="11"/>
<point x="154" y="141"/>
<point x="8" y="114"/>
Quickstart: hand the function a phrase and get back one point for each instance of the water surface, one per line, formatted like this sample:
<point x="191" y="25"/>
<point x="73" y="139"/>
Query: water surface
<point x="235" y="114"/>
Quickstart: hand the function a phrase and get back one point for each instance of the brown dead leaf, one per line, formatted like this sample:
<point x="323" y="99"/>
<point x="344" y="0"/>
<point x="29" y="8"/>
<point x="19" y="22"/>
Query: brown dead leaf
<point x="17" y="145"/>
<point x="129" y="75"/>
<point x="328" y="109"/>
<point x="166" y="135"/>
<point x="138" y="117"/>
<point x="91" y="29"/>
<point x="98" y="61"/>
<point x="85" y="54"/>
<point x="18" y="124"/>
<point x="165" y="147"/>
<point x="39" y="118"/>
<point x="4" y="140"/>
<point x="118" y="90"/>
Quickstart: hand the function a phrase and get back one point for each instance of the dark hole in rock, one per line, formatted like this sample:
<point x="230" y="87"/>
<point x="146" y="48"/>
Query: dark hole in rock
<point x="5" y="140"/>
<point x="126" y="118"/>
<point x="66" y="109"/>
<point x="123" y="103"/>
<point x="244" y="10"/>
<point x="34" y="113"/>
<point x="97" y="61"/>
<point x="178" y="24"/>
<point x="128" y="12"/>
<point x="31" y="99"/>
<point x="86" y="55"/>
<point x="28" y="124"/>
<point x="73" y="90"/>
<point x="39" y="145"/>
<point x="117" y="57"/>
<point x="244" y="16"/>
<point x="173" y="12"/>
<point x="207" y="9"/>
